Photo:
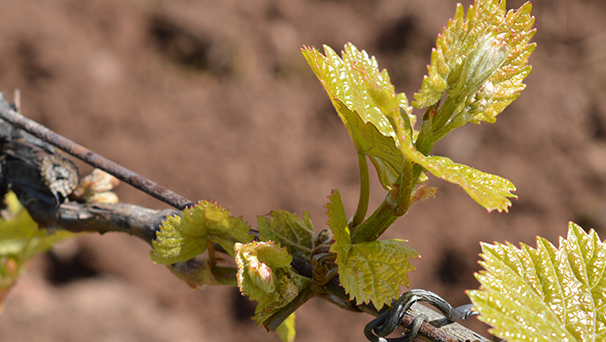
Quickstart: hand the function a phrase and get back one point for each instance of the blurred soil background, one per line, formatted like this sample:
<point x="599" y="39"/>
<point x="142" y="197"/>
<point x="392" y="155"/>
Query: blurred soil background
<point x="213" y="100"/>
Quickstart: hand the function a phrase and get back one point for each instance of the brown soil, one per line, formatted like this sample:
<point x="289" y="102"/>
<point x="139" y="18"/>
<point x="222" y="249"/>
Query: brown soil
<point x="214" y="100"/>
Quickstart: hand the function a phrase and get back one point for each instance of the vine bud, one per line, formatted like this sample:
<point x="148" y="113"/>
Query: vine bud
<point x="261" y="274"/>
<point x="478" y="103"/>
<point x="485" y="58"/>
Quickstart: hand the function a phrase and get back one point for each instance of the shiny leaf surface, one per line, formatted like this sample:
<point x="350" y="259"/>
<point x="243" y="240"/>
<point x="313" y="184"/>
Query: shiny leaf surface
<point x="490" y="191"/>
<point x="369" y="271"/>
<point x="374" y="271"/>
<point x="488" y="45"/>
<point x="547" y="293"/>
<point x="366" y="102"/>
<point x="381" y="149"/>
<point x="183" y="237"/>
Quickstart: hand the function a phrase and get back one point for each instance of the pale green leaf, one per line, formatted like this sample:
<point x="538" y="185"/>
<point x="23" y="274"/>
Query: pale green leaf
<point x="286" y="330"/>
<point x="366" y="102"/>
<point x="490" y="191"/>
<point x="381" y="149"/>
<point x="375" y="271"/>
<point x="181" y="238"/>
<point x="174" y="244"/>
<point x="547" y="293"/>
<point x="352" y="80"/>
<point x="290" y="231"/>
<point x="488" y="45"/>
<point x="265" y="275"/>
<point x="369" y="271"/>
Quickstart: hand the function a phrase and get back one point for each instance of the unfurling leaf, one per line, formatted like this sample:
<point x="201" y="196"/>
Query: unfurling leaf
<point x="96" y="188"/>
<point x="366" y="102"/>
<point x="480" y="60"/>
<point x="369" y="271"/>
<point x="265" y="275"/>
<point x="183" y="237"/>
<point x="290" y="231"/>
<point x="547" y="293"/>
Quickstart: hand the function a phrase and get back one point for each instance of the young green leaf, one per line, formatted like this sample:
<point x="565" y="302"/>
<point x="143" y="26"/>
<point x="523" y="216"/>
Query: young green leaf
<point x="20" y="241"/>
<point x="490" y="191"/>
<point x="183" y="237"/>
<point x="364" y="97"/>
<point x="375" y="271"/>
<point x="369" y="271"/>
<point x="486" y="47"/>
<point x="289" y="230"/>
<point x="356" y="81"/>
<point x="265" y="275"/>
<point x="381" y="149"/>
<point x="545" y="294"/>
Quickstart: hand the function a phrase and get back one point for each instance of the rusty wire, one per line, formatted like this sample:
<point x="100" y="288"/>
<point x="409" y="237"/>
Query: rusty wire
<point x="127" y="176"/>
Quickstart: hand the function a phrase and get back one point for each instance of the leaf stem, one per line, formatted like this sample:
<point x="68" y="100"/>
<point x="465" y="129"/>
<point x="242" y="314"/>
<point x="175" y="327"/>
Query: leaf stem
<point x="376" y="224"/>
<point x="433" y="122"/>
<point x="395" y="204"/>
<point x="362" y="208"/>
<point x="212" y="260"/>
<point x="280" y="315"/>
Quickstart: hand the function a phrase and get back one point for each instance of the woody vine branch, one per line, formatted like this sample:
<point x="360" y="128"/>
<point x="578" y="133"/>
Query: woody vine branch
<point x="46" y="197"/>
